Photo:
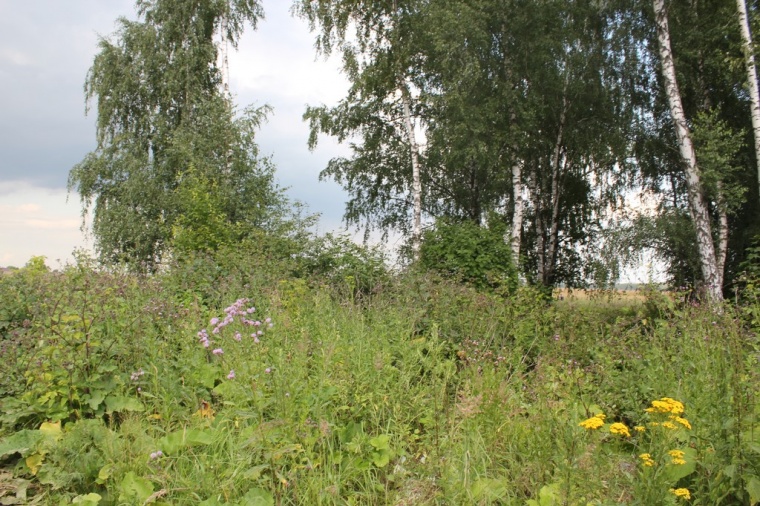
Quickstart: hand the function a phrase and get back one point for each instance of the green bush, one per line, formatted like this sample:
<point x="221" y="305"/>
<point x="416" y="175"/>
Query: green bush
<point x="471" y="253"/>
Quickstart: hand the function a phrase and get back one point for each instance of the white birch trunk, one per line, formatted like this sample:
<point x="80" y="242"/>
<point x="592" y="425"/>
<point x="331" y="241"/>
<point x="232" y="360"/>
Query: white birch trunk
<point x="697" y="207"/>
<point x="754" y="94"/>
<point x="517" y="216"/>
<point x="416" y="181"/>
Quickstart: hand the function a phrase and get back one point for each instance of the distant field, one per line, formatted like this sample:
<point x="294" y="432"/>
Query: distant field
<point x="599" y="295"/>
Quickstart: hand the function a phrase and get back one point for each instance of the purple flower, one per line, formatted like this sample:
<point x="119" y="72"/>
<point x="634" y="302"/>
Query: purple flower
<point x="268" y="370"/>
<point x="268" y="320"/>
<point x="251" y="310"/>
<point x="255" y="339"/>
<point x="217" y="351"/>
<point x="214" y="320"/>
<point x="238" y="337"/>
<point x="256" y="323"/>
<point x="231" y="375"/>
<point x="260" y="333"/>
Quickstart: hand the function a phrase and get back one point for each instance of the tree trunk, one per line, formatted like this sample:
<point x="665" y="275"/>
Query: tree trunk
<point x="517" y="216"/>
<point x="697" y="206"/>
<point x="749" y="60"/>
<point x="416" y="181"/>
<point x="536" y="197"/>
<point x="557" y="162"/>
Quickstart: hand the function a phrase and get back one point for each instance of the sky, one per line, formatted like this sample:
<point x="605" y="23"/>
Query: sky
<point x="46" y="49"/>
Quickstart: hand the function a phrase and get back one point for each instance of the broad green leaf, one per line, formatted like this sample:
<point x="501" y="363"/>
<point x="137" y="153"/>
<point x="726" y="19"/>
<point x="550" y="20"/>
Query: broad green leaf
<point x="91" y="499"/>
<point x="488" y="489"/>
<point x="115" y="403"/>
<point x="51" y="430"/>
<point x="257" y="497"/>
<point x="381" y="442"/>
<point x="134" y="489"/>
<point x="20" y="442"/>
<point x="674" y="472"/>
<point x="175" y="441"/>
<point x="381" y="458"/>
<point x="753" y="489"/>
<point x="34" y="462"/>
<point x="105" y="472"/>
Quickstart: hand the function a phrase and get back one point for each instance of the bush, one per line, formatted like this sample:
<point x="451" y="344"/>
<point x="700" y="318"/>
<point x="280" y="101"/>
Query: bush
<point x="471" y="253"/>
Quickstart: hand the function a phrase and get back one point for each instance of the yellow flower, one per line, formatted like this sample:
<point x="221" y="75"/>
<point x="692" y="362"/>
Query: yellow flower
<point x="620" y="428"/>
<point x="639" y="428"/>
<point x="594" y="422"/>
<point x="669" y="425"/>
<point x="677" y="457"/>
<point x="682" y="421"/>
<point x="646" y="459"/>
<point x="681" y="492"/>
<point x="666" y="405"/>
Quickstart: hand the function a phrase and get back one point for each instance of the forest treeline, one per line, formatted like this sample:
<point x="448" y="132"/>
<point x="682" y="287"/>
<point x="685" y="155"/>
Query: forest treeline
<point x="537" y="122"/>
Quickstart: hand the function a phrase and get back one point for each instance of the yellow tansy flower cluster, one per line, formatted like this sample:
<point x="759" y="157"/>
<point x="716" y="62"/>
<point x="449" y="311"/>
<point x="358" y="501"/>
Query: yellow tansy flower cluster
<point x="639" y="428"/>
<point x="681" y="492"/>
<point x="620" y="428"/>
<point x="666" y="405"/>
<point x="682" y="421"/>
<point x="676" y="457"/>
<point x="646" y="459"/>
<point x="594" y="422"/>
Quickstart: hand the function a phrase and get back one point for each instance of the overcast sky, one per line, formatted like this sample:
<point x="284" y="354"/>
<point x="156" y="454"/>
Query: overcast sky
<point x="46" y="48"/>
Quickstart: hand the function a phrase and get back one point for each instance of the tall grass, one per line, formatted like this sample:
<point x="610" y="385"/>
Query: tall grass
<point x="418" y="391"/>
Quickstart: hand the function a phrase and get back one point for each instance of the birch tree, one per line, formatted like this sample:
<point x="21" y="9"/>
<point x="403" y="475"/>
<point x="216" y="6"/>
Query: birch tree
<point x="384" y="176"/>
<point x="162" y="114"/>
<point x="697" y="206"/>
<point x="749" y="59"/>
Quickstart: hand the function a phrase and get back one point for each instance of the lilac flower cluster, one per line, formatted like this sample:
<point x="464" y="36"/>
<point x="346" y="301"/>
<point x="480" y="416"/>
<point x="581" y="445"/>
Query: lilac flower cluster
<point x="240" y="312"/>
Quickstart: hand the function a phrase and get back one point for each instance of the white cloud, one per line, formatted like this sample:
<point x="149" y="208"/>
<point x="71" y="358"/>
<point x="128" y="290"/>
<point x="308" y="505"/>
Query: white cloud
<point x="38" y="221"/>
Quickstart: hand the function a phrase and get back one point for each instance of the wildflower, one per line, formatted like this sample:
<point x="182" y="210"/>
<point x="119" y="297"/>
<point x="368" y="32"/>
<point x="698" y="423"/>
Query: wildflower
<point x="136" y="375"/>
<point x="620" y="428"/>
<point x="156" y="455"/>
<point x="594" y="422"/>
<point x="231" y="375"/>
<point x="666" y="405"/>
<point x="681" y="492"/>
<point x="257" y="323"/>
<point x="238" y="337"/>
<point x="669" y="425"/>
<point x="682" y="421"/>
<point x="214" y="321"/>
<point x="676" y="457"/>
<point x="218" y="351"/>
<point x="256" y="339"/>
<point x="268" y="370"/>
<point x="639" y="428"/>
<point x="646" y="459"/>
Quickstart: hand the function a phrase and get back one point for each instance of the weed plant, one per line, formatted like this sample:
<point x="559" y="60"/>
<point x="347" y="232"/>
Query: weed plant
<point x="117" y="389"/>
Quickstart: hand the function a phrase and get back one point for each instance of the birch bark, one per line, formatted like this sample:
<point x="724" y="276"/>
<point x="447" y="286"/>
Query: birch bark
<point x="416" y="180"/>
<point x="697" y="206"/>
<point x="749" y="61"/>
<point x="517" y="217"/>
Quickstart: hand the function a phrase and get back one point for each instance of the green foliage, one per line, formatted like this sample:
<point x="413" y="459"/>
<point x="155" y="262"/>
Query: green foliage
<point x="162" y="113"/>
<point x="427" y="392"/>
<point x="471" y="253"/>
<point x="339" y="262"/>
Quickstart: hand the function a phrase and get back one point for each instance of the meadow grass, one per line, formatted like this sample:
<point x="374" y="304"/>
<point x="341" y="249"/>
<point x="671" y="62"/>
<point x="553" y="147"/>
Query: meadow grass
<point x="423" y="392"/>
